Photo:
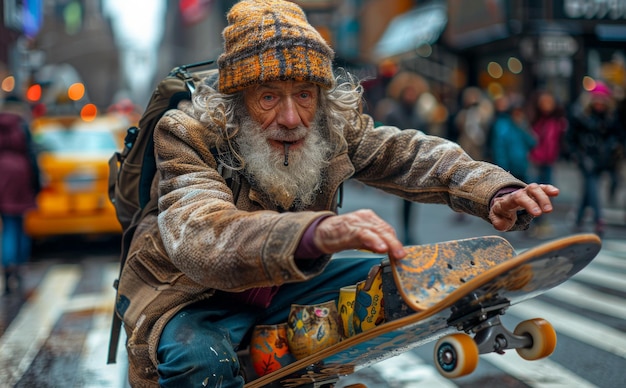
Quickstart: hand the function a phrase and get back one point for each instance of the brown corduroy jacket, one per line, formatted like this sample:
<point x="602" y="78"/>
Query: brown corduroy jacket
<point x="201" y="241"/>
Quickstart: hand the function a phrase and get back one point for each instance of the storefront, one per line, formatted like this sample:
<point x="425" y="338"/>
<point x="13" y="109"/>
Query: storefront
<point x="519" y="46"/>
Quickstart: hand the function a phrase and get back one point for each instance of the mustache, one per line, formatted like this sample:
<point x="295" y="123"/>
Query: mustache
<point x="286" y="135"/>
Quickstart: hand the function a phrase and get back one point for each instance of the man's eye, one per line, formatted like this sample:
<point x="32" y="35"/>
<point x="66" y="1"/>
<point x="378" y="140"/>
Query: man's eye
<point x="267" y="97"/>
<point x="305" y="95"/>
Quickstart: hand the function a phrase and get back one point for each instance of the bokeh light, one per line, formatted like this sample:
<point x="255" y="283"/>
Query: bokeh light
<point x="515" y="65"/>
<point x="89" y="112"/>
<point x="495" y="70"/>
<point x="424" y="50"/>
<point x="588" y="83"/>
<point x="33" y="93"/>
<point x="8" y="84"/>
<point x="495" y="89"/>
<point x="76" y="91"/>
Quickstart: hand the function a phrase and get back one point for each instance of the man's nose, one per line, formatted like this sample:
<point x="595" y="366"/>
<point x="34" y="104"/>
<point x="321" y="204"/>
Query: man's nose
<point x="288" y="115"/>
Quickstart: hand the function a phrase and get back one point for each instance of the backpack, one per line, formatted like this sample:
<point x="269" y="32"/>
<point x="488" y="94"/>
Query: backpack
<point x="132" y="170"/>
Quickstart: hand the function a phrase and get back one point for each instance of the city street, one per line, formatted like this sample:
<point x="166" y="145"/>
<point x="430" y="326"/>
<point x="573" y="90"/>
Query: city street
<point x="56" y="334"/>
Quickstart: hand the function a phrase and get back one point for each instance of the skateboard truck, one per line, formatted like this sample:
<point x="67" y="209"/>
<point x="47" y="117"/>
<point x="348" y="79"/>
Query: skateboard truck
<point x="492" y="336"/>
<point x="483" y="319"/>
<point x="457" y="354"/>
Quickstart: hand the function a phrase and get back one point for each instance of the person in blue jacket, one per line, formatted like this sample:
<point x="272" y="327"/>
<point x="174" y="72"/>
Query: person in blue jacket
<point x="511" y="139"/>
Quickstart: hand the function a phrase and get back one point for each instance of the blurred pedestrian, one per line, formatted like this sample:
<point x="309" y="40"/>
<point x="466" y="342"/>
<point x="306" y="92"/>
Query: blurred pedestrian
<point x="549" y="123"/>
<point x="595" y="143"/>
<point x="471" y="126"/>
<point x="19" y="184"/>
<point x="511" y="139"/>
<point x="473" y="122"/>
<point x="375" y="88"/>
<point x="400" y="109"/>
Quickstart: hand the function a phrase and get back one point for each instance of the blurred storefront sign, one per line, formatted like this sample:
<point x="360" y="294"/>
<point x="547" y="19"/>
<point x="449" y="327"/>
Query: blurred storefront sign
<point x="551" y="54"/>
<point x="25" y="16"/>
<point x="557" y="45"/>
<point x="32" y="12"/>
<point x="412" y="30"/>
<point x="475" y="22"/>
<point x="604" y="18"/>
<point x="590" y="9"/>
<point x="611" y="32"/>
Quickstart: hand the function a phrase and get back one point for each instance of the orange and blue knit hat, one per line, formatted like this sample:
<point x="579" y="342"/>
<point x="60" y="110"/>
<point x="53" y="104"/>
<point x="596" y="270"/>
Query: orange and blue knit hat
<point x="271" y="40"/>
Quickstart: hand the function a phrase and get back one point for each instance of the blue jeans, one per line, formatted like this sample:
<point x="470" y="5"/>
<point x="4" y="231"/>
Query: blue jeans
<point x="544" y="173"/>
<point x="591" y="196"/>
<point x="198" y="346"/>
<point x="15" y="241"/>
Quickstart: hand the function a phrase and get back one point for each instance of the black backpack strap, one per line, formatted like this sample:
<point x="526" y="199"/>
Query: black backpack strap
<point x="114" y="338"/>
<point x="146" y="203"/>
<point x="116" y="324"/>
<point x="232" y="177"/>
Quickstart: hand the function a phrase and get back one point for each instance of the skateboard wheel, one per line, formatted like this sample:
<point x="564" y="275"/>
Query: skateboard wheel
<point x="543" y="337"/>
<point x="456" y="355"/>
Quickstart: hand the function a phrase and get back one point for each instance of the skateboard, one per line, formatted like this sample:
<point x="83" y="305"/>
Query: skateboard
<point x="453" y="293"/>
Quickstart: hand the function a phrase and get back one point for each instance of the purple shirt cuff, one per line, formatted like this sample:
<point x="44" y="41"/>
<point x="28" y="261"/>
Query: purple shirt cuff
<point x="502" y="192"/>
<point x="306" y="248"/>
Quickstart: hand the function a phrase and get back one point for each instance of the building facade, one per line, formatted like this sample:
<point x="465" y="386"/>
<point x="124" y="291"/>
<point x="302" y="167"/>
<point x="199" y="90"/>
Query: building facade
<point x="513" y="45"/>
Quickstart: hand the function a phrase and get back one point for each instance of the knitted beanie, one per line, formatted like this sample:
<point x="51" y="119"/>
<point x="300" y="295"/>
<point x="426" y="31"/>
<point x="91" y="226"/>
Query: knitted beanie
<point x="601" y="90"/>
<point x="271" y="40"/>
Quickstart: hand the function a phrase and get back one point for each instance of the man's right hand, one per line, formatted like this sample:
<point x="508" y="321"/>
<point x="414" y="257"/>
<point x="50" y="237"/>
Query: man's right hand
<point x="361" y="229"/>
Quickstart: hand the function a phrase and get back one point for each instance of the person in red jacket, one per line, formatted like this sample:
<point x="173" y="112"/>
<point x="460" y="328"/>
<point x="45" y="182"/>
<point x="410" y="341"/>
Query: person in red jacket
<point x="549" y="124"/>
<point x="19" y="184"/>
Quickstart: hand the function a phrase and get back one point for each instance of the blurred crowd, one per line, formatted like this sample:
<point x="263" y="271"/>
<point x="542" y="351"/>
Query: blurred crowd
<point x="524" y="134"/>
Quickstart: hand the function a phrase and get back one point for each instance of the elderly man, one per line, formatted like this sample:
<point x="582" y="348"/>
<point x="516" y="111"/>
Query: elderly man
<point x="211" y="265"/>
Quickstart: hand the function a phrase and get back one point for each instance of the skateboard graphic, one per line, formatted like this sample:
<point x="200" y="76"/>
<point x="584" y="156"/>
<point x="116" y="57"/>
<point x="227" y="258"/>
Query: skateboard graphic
<point x="454" y="293"/>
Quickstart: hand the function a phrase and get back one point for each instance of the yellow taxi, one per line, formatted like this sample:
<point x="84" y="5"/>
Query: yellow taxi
<point x="73" y="158"/>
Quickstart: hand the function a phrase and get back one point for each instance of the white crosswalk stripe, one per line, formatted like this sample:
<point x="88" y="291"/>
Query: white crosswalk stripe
<point x="411" y="371"/>
<point x="103" y="375"/>
<point x="575" y="326"/>
<point x="611" y="260"/>
<point x="603" y="277"/>
<point x="544" y="374"/>
<point x="578" y="294"/>
<point x="29" y="330"/>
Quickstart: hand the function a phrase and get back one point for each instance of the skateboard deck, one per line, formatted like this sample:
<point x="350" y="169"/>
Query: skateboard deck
<point x="453" y="289"/>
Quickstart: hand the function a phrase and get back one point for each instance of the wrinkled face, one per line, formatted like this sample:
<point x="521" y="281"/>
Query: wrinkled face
<point x="281" y="141"/>
<point x="282" y="107"/>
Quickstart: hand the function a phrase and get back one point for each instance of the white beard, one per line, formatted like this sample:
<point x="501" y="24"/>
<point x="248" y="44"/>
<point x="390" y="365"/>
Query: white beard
<point x="294" y="185"/>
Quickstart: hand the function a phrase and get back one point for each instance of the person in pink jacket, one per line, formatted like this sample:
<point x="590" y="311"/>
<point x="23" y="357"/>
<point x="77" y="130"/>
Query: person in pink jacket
<point x="549" y="124"/>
